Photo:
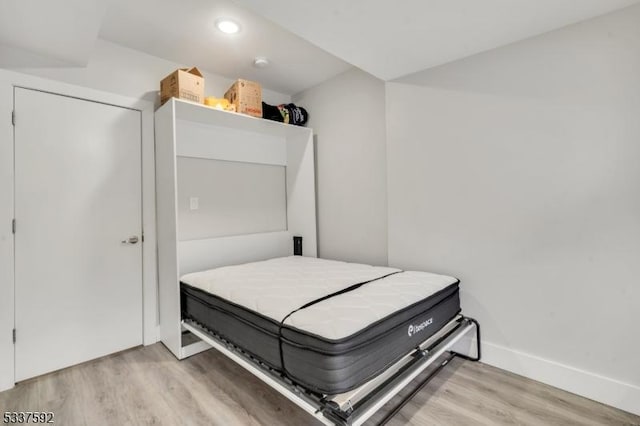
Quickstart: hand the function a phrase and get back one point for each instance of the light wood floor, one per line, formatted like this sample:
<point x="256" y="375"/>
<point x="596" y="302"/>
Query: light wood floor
<point x="149" y="386"/>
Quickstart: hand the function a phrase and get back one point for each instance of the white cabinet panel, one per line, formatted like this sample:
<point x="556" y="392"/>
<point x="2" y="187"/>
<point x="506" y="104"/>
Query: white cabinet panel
<point x="221" y="198"/>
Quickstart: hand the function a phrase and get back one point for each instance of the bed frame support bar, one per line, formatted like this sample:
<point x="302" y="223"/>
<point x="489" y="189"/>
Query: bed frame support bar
<point x="415" y="391"/>
<point x="328" y="412"/>
<point x="433" y="373"/>
<point x="423" y="358"/>
<point x="290" y="391"/>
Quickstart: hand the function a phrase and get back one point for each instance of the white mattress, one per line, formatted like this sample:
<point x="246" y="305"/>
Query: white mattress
<point x="348" y="313"/>
<point x="274" y="288"/>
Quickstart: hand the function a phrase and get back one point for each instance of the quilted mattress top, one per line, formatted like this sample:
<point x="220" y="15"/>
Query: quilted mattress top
<point x="277" y="287"/>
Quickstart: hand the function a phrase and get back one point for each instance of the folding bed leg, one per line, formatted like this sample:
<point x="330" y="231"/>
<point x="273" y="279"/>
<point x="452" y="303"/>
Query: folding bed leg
<point x="426" y="380"/>
<point x="478" y="354"/>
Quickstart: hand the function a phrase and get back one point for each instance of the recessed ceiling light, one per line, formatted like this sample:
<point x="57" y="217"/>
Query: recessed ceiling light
<point x="227" y="26"/>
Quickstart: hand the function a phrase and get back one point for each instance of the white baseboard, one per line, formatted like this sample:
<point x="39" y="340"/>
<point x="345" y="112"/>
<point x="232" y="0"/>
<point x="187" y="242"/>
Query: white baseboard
<point x="615" y="393"/>
<point x="157" y="337"/>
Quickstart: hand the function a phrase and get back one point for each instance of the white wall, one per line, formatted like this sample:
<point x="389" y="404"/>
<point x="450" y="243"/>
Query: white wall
<point x="347" y="115"/>
<point x="518" y="170"/>
<point x="124" y="71"/>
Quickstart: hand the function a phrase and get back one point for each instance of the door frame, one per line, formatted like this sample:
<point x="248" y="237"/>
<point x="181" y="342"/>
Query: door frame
<point x="9" y="80"/>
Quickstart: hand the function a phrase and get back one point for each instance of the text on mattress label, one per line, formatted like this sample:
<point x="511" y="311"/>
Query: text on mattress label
<point x="417" y="328"/>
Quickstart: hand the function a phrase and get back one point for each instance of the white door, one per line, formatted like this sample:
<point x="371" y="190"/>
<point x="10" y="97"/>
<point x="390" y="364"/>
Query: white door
<point x="78" y="278"/>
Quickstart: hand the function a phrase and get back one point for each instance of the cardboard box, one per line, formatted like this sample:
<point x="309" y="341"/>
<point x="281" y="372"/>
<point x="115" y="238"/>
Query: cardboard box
<point x="185" y="83"/>
<point x="246" y="96"/>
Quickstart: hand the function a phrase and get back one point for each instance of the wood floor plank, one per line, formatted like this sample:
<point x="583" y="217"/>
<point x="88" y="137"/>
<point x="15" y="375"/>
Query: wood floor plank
<point x="148" y="386"/>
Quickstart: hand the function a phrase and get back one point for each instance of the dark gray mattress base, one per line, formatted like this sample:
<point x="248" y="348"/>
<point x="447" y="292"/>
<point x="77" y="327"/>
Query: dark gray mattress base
<point x="322" y="365"/>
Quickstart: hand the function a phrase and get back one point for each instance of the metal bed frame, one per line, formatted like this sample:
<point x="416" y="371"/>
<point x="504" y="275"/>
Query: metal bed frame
<point x="355" y="407"/>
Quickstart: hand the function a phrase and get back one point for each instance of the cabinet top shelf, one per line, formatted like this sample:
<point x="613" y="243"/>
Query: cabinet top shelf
<point x="198" y="113"/>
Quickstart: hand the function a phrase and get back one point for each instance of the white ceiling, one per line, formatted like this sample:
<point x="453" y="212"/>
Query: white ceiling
<point x="393" y="39"/>
<point x="303" y="39"/>
<point x="183" y="31"/>
<point x="54" y="33"/>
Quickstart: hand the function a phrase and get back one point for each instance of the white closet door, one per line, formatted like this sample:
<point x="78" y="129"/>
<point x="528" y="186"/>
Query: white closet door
<point x="77" y="198"/>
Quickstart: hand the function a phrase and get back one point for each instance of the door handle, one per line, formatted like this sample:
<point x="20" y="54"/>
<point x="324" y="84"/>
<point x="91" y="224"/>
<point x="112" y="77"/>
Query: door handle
<point x="131" y="240"/>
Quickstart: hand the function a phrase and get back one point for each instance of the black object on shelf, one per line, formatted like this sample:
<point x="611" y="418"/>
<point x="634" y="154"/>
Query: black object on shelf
<point x="285" y="113"/>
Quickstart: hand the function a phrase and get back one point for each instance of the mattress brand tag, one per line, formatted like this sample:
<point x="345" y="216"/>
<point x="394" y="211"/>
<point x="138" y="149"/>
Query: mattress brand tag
<point x="417" y="328"/>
